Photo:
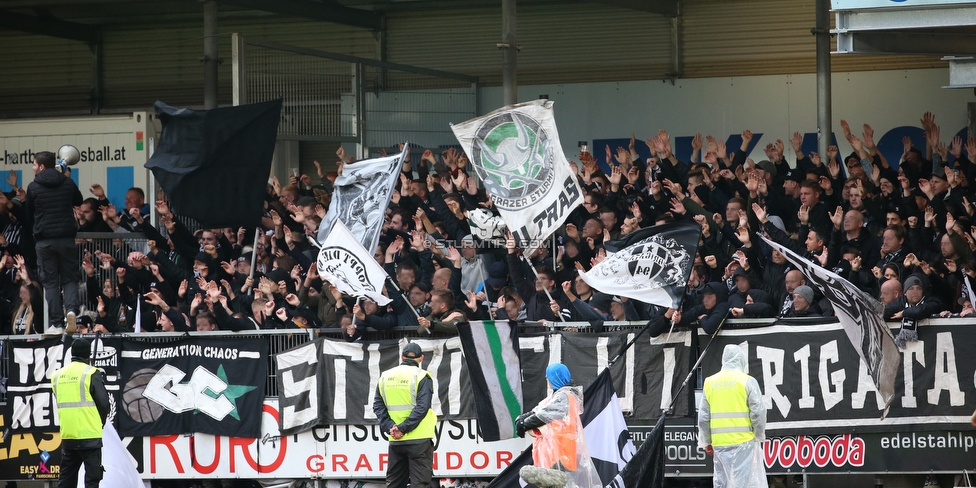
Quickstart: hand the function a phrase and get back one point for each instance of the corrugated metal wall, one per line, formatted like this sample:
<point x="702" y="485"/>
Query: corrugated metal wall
<point x="39" y="72"/>
<point x="579" y="43"/>
<point x="765" y="37"/>
<point x="575" y="43"/>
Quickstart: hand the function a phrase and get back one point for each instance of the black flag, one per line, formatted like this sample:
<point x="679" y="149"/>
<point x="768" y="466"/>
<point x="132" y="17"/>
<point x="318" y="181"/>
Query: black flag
<point x="651" y="265"/>
<point x="646" y="469"/>
<point x="214" y="164"/>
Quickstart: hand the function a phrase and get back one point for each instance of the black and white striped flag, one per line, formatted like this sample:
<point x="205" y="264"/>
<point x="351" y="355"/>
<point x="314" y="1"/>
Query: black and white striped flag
<point x="491" y="351"/>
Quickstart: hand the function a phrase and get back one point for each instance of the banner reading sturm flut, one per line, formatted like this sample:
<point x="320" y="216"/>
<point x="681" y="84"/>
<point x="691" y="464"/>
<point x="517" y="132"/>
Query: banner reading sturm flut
<point x="196" y="384"/>
<point x="332" y="382"/>
<point x="516" y="153"/>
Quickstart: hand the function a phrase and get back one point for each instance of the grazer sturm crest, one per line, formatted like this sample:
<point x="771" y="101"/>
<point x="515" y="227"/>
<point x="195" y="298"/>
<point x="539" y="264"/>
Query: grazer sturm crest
<point x="654" y="262"/>
<point x="513" y="157"/>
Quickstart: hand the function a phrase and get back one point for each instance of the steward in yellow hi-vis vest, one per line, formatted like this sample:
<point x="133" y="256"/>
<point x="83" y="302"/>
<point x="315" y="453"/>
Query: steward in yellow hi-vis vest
<point x="732" y="423"/>
<point x="402" y="405"/>
<point x="83" y="405"/>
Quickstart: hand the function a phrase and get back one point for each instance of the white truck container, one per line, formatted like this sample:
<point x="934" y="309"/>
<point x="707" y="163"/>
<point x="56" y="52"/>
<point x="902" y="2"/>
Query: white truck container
<point x="114" y="150"/>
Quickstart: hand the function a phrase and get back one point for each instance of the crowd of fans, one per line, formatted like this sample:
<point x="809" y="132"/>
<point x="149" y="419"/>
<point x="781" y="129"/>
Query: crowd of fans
<point x="901" y="231"/>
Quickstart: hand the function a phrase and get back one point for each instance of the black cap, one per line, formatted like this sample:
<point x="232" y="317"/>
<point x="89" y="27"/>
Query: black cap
<point x="412" y="351"/>
<point x="795" y="175"/>
<point x="81" y="349"/>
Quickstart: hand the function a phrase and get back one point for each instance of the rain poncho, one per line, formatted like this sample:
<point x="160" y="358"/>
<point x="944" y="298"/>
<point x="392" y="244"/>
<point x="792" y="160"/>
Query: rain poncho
<point x="559" y="444"/>
<point x="737" y="465"/>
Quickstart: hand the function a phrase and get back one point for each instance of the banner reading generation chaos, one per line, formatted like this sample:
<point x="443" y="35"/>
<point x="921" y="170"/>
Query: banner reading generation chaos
<point x="196" y="384"/>
<point x="516" y="153"/>
<point x="814" y="381"/>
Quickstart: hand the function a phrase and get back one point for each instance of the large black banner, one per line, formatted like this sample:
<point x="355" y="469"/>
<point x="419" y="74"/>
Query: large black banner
<point x="209" y="385"/>
<point x="333" y="382"/>
<point x="31" y="406"/>
<point x="814" y="382"/>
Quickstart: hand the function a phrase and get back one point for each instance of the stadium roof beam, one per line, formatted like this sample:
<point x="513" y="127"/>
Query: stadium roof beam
<point x="49" y="27"/>
<point x="325" y="10"/>
<point x="663" y="7"/>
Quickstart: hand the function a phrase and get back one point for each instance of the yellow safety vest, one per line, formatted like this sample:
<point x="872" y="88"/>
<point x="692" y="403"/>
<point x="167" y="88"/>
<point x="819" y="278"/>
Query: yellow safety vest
<point x="730" y="423"/>
<point x="398" y="388"/>
<point x="76" y="407"/>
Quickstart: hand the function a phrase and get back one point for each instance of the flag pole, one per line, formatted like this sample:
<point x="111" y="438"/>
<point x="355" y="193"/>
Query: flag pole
<point x="698" y="362"/>
<point x="254" y="254"/>
<point x="481" y="269"/>
<point x="405" y="297"/>
<point x="627" y="346"/>
<point x="536" y="273"/>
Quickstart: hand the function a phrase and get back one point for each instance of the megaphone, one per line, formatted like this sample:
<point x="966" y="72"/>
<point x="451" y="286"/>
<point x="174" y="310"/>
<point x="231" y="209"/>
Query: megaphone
<point x="68" y="155"/>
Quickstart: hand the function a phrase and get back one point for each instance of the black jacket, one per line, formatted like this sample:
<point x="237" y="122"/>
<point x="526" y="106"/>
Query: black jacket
<point x="51" y="199"/>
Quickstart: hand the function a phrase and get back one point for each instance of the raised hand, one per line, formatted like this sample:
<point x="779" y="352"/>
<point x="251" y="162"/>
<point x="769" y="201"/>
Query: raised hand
<point x="760" y="212"/>
<point x="746" y="136"/>
<point x="847" y="129"/>
<point x="797" y="142"/>
<point x="742" y="233"/>
<point x="803" y="214"/>
<point x="837" y="217"/>
<point x="868" y="136"/>
<point x="677" y="207"/>
<point x="955" y="147"/>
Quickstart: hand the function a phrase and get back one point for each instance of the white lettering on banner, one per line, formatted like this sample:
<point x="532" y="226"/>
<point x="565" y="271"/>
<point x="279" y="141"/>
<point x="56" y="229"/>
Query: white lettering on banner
<point x="956" y="440"/>
<point x="33" y="410"/>
<point x="744" y="346"/>
<point x="802" y="356"/>
<point x="351" y="352"/>
<point x="829" y="353"/>
<point x="38" y="363"/>
<point x="913" y="351"/>
<point x="934" y="379"/>
<point x="165" y="389"/>
<point x="772" y="366"/>
<point x="437" y="349"/>
<point x="373" y="353"/>
<point x="669" y="365"/>
<point x="334" y="452"/>
<point x="946" y="377"/>
<point x="865" y="385"/>
<point x="309" y="385"/>
<point x="603" y="357"/>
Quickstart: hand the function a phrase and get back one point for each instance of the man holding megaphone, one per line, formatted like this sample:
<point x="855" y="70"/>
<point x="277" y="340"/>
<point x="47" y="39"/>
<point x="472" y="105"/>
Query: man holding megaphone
<point x="51" y="199"/>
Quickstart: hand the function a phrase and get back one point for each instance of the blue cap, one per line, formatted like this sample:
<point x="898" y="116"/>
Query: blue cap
<point x="558" y="375"/>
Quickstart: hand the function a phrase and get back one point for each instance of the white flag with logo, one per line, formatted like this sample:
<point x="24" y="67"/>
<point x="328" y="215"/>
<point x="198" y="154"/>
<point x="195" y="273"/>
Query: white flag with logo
<point x="345" y="263"/>
<point x="516" y="154"/>
<point x="361" y="196"/>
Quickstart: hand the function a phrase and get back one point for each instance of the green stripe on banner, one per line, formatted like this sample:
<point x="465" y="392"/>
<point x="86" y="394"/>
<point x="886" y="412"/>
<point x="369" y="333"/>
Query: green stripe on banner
<point x="495" y="346"/>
